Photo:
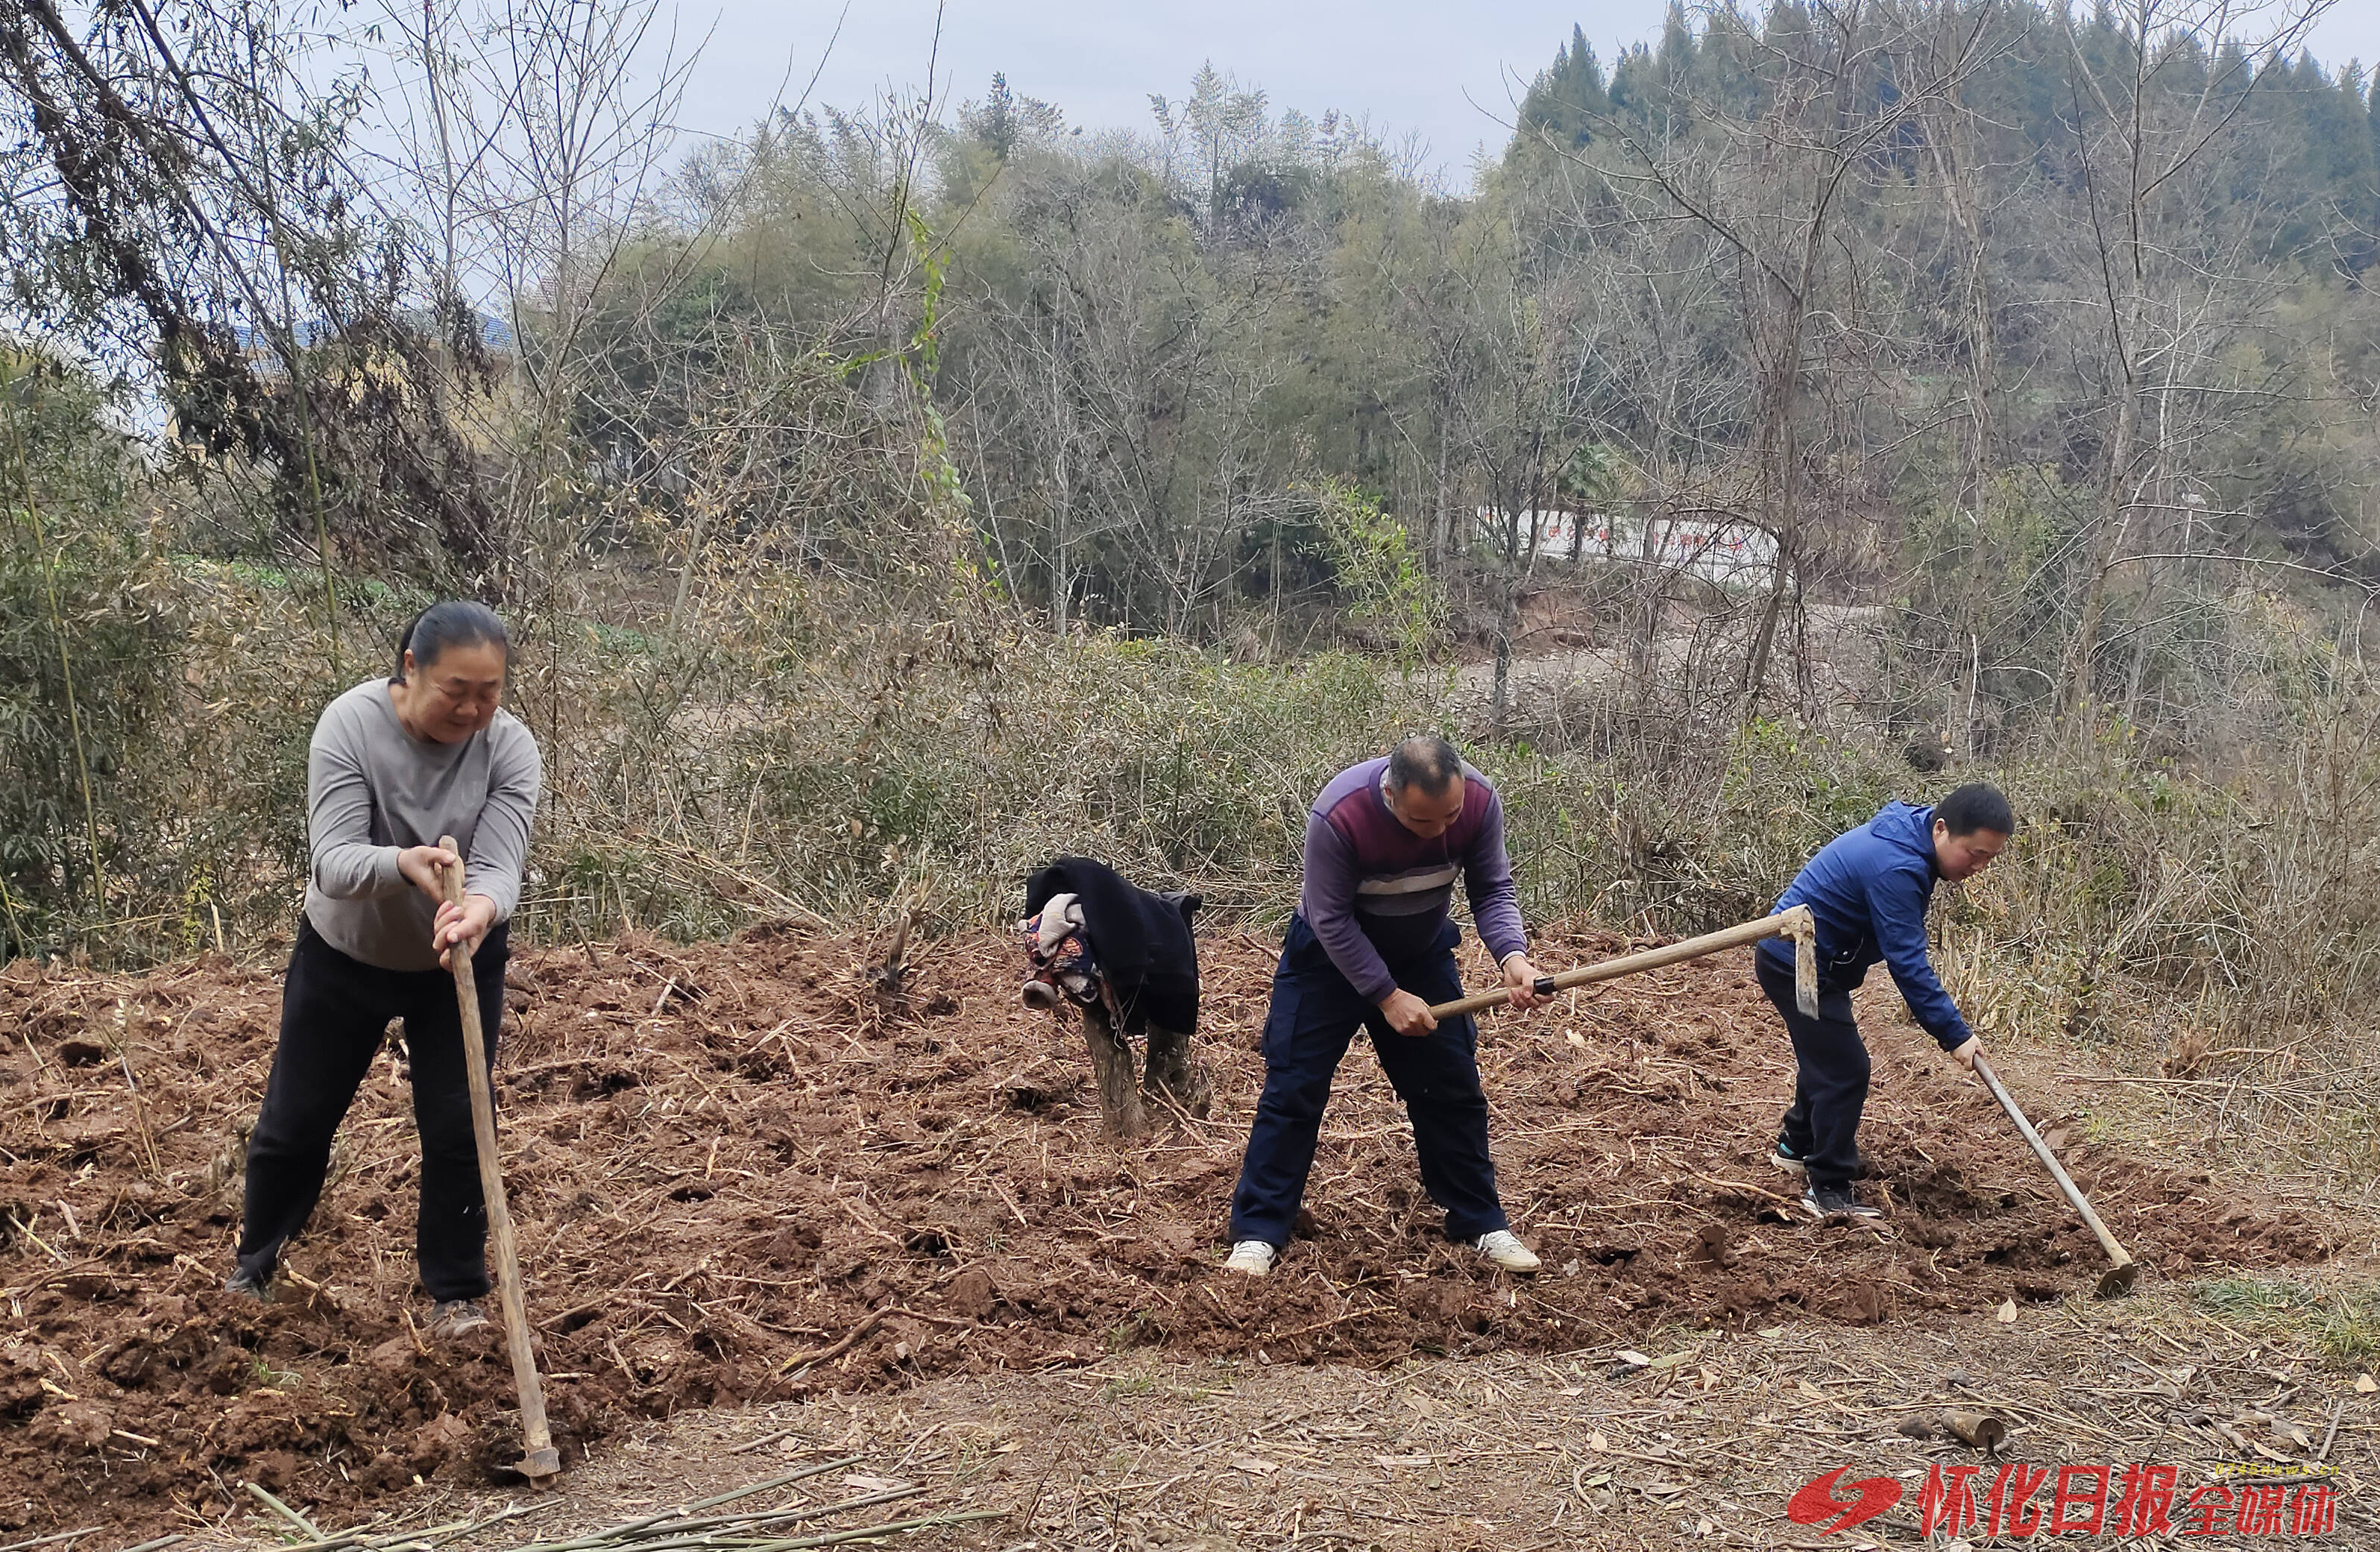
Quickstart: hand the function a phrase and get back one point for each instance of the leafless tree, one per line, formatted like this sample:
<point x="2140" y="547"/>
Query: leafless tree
<point x="1774" y="182"/>
<point x="2155" y="98"/>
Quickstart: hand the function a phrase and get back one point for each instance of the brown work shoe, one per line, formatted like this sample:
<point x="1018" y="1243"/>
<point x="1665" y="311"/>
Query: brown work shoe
<point x="450" y="1319"/>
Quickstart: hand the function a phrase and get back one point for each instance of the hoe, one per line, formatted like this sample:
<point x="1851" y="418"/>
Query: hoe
<point x="1797" y="924"/>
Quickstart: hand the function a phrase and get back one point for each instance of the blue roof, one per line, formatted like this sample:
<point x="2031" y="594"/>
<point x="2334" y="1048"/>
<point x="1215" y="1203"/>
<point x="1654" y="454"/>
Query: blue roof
<point x="495" y="334"/>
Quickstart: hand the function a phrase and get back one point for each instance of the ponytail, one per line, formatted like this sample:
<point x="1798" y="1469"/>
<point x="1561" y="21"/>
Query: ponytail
<point x="451" y="622"/>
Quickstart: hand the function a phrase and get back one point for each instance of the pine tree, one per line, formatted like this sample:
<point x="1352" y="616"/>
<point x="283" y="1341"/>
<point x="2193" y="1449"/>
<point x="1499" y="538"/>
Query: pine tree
<point x="2351" y="171"/>
<point x="1567" y="101"/>
<point x="1004" y="120"/>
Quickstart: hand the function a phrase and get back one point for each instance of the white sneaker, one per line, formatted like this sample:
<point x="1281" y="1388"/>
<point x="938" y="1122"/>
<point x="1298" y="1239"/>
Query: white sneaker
<point x="1508" y="1251"/>
<point x="1250" y="1258"/>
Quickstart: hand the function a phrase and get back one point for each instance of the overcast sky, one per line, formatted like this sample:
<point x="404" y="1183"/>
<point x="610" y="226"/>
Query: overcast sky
<point x="1448" y="72"/>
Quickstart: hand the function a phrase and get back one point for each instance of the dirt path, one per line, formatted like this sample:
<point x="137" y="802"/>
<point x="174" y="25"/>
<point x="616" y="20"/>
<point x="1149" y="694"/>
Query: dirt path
<point x="728" y="1160"/>
<point x="1510" y="1451"/>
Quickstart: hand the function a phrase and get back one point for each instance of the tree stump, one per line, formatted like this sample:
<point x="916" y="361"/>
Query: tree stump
<point x="1172" y="1075"/>
<point x="1120" y="1109"/>
<point x="1175" y="1075"/>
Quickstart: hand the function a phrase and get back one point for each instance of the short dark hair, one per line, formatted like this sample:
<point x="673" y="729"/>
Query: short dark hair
<point x="1424" y="761"/>
<point x="449" y="622"/>
<point x="1977" y="805"/>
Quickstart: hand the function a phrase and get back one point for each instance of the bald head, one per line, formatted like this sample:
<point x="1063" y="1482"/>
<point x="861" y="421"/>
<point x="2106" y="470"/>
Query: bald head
<point x="1424" y="765"/>
<point x="1423" y="786"/>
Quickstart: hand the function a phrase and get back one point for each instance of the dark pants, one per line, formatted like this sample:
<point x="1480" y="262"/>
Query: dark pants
<point x="1314" y="1014"/>
<point x="1830" y="1076"/>
<point x="333" y="1012"/>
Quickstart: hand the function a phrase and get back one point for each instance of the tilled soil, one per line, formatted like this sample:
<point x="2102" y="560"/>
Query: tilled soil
<point x="741" y="1172"/>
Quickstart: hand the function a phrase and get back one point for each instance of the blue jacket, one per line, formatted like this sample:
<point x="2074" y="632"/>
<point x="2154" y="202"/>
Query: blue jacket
<point x="1868" y="889"/>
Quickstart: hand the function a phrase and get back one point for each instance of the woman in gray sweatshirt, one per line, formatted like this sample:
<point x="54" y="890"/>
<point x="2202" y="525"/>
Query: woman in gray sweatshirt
<point x="396" y="764"/>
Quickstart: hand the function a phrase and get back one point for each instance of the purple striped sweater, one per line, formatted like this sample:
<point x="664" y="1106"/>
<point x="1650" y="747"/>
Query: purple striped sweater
<point x="1376" y="892"/>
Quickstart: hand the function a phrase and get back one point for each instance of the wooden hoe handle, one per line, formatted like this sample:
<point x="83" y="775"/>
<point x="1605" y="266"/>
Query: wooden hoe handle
<point x="1794" y="923"/>
<point x="2120" y="1276"/>
<point x="539" y="1461"/>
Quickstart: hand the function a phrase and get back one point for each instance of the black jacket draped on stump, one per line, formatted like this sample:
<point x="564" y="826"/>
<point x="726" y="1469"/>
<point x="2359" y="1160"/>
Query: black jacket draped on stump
<point x="1141" y="940"/>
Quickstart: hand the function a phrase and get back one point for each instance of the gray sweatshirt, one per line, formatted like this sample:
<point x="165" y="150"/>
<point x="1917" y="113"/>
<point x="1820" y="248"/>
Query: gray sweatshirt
<point x="373" y="789"/>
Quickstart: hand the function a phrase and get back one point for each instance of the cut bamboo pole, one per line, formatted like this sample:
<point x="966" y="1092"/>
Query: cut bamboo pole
<point x="1978" y="1429"/>
<point x="891" y="1527"/>
<point x="669" y="1518"/>
<point x="1795" y="923"/>
<point x="539" y="1461"/>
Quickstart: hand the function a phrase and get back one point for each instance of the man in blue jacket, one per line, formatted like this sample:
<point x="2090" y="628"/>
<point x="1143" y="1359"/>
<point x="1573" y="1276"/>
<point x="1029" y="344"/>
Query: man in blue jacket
<point x="1868" y="890"/>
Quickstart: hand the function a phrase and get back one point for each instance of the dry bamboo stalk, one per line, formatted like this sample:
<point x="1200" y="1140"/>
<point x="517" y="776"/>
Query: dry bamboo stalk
<point x="696" y="1532"/>
<point x="864" y="1532"/>
<point x="762" y="1442"/>
<point x="2331" y="1433"/>
<point x="595" y="1538"/>
<point x="45" y="1541"/>
<point x="851" y="1339"/>
<point x="408" y="1538"/>
<point x="387" y="1538"/>
<point x="284" y="1510"/>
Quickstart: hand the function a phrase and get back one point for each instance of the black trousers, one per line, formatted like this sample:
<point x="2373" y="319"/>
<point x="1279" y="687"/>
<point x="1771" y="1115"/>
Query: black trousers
<point x="333" y="1012"/>
<point x="1314" y="1014"/>
<point x="1830" y="1076"/>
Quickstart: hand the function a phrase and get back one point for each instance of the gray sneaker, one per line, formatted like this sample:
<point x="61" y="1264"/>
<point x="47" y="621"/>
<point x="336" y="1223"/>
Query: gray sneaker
<point x="250" y="1285"/>
<point x="1825" y="1202"/>
<point x="450" y="1319"/>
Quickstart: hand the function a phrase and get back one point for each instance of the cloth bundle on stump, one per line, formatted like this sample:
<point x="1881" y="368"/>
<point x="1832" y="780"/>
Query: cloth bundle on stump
<point x="1059" y="953"/>
<point x="1127" y="957"/>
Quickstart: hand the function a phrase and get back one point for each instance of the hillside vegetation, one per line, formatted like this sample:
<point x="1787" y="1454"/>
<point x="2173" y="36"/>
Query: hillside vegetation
<point x="894" y="496"/>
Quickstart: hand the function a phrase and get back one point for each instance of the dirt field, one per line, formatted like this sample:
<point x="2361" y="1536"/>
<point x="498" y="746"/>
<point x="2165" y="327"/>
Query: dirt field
<point x="739" y="1177"/>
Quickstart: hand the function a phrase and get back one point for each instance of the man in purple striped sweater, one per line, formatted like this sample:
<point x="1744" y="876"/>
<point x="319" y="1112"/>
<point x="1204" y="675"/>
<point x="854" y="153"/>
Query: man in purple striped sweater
<point x="1372" y="945"/>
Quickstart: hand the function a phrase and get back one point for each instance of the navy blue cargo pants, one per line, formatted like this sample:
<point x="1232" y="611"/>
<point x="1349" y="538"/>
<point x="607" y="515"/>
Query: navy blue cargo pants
<point x="1316" y="1011"/>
